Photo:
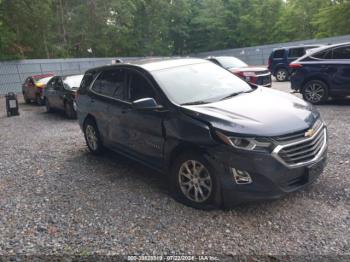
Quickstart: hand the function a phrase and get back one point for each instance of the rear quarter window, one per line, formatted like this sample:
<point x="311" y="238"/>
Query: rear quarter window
<point x="278" y="53"/>
<point x="86" y="82"/>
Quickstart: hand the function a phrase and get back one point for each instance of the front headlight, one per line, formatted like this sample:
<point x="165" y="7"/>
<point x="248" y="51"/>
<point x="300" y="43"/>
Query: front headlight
<point x="246" y="143"/>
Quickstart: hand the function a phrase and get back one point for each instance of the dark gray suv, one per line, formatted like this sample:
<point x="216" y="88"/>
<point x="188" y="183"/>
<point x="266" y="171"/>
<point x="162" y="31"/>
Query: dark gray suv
<point x="219" y="140"/>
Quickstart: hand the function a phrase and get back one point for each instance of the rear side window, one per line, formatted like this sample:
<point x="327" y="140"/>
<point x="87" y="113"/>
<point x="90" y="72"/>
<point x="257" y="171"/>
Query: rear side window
<point x="296" y="52"/>
<point x="326" y="54"/>
<point x="278" y="53"/>
<point x="111" y="83"/>
<point x="341" y="52"/>
<point x="86" y="82"/>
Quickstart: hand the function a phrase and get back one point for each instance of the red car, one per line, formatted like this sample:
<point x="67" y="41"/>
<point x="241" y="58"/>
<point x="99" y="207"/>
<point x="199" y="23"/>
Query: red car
<point x="33" y="88"/>
<point x="257" y="75"/>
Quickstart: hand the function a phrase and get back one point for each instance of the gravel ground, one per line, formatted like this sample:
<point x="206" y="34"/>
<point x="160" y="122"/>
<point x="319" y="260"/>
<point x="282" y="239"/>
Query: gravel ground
<point x="57" y="198"/>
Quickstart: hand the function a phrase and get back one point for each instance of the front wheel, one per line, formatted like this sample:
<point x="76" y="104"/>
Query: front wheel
<point x="281" y="75"/>
<point x="92" y="137"/>
<point x="315" y="92"/>
<point x="193" y="181"/>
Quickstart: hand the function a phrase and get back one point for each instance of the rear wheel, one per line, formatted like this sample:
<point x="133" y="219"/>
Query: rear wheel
<point x="281" y="75"/>
<point x="315" y="92"/>
<point x="92" y="137"/>
<point x="193" y="181"/>
<point x="39" y="101"/>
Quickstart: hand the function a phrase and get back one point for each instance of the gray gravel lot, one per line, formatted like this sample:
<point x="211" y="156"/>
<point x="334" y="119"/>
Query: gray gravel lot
<point x="55" y="198"/>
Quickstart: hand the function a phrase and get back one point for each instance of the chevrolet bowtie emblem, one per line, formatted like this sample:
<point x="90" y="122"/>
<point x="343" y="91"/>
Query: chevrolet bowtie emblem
<point x="309" y="133"/>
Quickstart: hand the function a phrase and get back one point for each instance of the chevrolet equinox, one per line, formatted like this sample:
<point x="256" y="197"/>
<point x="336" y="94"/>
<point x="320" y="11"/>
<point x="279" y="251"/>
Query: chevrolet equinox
<point x="219" y="140"/>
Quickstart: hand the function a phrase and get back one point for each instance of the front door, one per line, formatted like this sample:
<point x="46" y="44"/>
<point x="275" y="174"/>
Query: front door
<point x="143" y="128"/>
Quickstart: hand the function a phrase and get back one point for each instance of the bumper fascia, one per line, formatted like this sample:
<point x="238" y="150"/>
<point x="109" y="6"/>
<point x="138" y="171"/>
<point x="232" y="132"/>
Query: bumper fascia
<point x="271" y="179"/>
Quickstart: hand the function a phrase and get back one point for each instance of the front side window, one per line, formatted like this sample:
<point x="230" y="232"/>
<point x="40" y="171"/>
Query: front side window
<point x="111" y="83"/>
<point x="199" y="83"/>
<point x="341" y="52"/>
<point x="140" y="88"/>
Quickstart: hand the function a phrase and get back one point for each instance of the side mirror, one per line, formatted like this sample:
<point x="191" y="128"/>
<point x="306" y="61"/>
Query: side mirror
<point x="146" y="103"/>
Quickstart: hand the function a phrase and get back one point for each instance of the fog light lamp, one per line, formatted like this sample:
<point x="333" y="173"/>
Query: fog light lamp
<point x="241" y="177"/>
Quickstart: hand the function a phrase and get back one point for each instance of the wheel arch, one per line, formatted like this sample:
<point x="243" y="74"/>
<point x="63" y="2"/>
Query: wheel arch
<point x="314" y="78"/>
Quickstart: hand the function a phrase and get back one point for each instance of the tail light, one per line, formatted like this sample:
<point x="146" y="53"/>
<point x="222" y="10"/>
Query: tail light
<point x="295" y="65"/>
<point x="270" y="62"/>
<point x="247" y="76"/>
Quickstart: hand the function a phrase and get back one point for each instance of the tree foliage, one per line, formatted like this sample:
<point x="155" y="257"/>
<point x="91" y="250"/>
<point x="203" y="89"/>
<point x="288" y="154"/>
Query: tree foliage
<point x="83" y="28"/>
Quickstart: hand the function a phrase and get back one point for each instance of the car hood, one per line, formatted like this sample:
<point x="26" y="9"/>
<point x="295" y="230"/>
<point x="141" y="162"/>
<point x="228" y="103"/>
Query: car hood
<point x="262" y="112"/>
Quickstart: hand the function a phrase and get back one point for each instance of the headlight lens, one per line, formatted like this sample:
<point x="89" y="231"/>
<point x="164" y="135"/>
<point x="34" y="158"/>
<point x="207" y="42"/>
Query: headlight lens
<point x="246" y="143"/>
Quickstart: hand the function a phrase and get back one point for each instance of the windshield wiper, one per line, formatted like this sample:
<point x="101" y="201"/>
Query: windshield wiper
<point x="195" y="103"/>
<point x="235" y="94"/>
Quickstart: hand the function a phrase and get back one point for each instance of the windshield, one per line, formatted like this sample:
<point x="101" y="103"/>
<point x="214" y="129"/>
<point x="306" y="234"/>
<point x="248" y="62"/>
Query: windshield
<point x="229" y="62"/>
<point x="204" y="82"/>
<point x="72" y="82"/>
<point x="44" y="80"/>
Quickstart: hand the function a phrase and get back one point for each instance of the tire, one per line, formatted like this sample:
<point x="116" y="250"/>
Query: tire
<point x="197" y="190"/>
<point x="39" y="101"/>
<point x="92" y="137"/>
<point x="26" y="100"/>
<point x="48" y="106"/>
<point x="69" y="110"/>
<point x="281" y="75"/>
<point x="315" y="92"/>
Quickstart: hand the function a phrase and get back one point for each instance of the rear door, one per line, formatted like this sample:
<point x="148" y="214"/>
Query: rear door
<point x="100" y="101"/>
<point x="341" y="61"/>
<point x="143" y="129"/>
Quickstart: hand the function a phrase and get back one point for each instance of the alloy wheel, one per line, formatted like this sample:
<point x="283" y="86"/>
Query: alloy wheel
<point x="281" y="75"/>
<point x="91" y="137"/>
<point x="314" y="92"/>
<point x="195" y="181"/>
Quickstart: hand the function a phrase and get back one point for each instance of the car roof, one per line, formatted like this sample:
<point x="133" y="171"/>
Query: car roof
<point x="156" y="64"/>
<point x="69" y="75"/>
<point x="37" y="77"/>
<point x="296" y="46"/>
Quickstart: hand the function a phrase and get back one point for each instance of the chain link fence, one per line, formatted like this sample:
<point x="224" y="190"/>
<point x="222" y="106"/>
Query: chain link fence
<point x="259" y="55"/>
<point x="13" y="73"/>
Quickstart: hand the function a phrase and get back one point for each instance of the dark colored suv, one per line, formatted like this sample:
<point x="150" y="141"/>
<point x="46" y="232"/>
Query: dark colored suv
<point x="219" y="141"/>
<point x="60" y="94"/>
<point x="280" y="58"/>
<point x="323" y="73"/>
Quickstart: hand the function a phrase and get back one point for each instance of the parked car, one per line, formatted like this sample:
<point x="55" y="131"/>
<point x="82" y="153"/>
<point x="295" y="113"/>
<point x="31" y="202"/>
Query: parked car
<point x="33" y="87"/>
<point x="60" y="94"/>
<point x="323" y="73"/>
<point x="280" y="58"/>
<point x="257" y="75"/>
<point x="219" y="141"/>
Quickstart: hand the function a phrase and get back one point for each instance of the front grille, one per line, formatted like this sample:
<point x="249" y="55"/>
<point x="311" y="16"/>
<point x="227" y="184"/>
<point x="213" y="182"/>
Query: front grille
<point x="263" y="80"/>
<point x="297" y="136"/>
<point x="296" y="150"/>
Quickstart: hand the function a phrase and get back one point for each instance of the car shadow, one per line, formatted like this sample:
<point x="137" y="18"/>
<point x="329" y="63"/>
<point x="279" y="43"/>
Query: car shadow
<point x="344" y="101"/>
<point x="113" y="167"/>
